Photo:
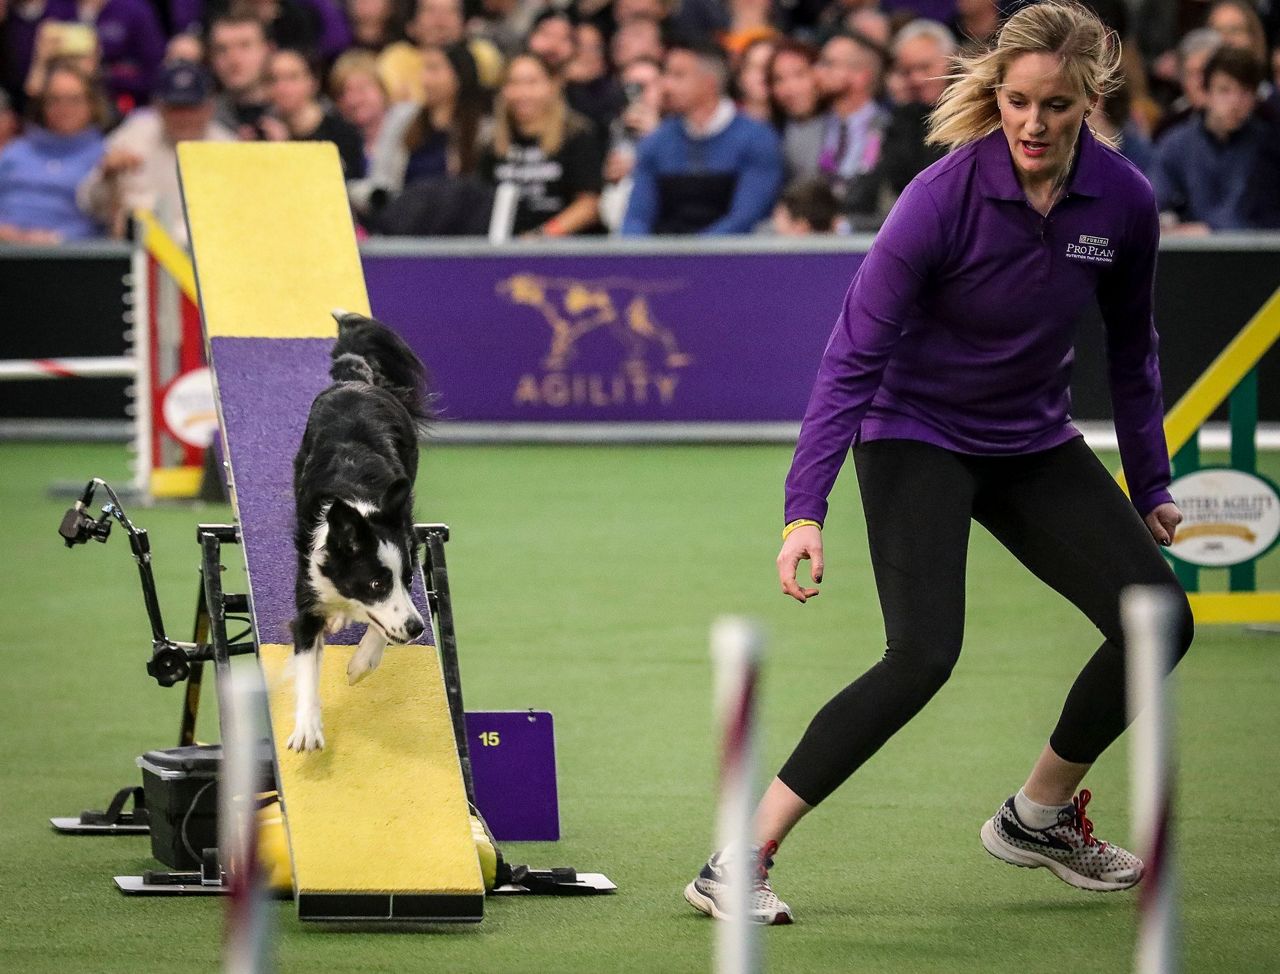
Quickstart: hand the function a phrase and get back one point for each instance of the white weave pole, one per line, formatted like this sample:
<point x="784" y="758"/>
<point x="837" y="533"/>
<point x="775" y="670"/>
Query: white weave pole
<point x="248" y="918"/>
<point x="1149" y="615"/>
<point x="737" y="645"/>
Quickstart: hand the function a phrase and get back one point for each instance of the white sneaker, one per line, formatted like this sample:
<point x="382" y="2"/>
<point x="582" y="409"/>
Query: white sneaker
<point x="709" y="892"/>
<point x="1068" y="848"/>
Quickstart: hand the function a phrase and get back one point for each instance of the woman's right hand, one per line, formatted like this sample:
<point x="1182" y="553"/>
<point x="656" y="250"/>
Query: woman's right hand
<point x="802" y="544"/>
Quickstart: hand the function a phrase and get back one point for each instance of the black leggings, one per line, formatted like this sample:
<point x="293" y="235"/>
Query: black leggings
<point x="1059" y="512"/>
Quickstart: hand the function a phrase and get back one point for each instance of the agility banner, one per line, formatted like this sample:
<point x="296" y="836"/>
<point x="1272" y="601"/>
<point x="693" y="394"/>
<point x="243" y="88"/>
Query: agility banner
<point x="706" y="338"/>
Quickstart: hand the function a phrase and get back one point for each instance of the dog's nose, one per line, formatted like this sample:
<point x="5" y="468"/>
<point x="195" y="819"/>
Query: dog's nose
<point x="414" y="628"/>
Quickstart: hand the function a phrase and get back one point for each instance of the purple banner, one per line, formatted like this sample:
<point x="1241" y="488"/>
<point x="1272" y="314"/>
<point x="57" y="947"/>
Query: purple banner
<point x="616" y="338"/>
<point x="513" y="765"/>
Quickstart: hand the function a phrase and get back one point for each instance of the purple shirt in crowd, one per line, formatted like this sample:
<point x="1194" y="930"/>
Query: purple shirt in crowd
<point x="959" y="327"/>
<point x="132" y="43"/>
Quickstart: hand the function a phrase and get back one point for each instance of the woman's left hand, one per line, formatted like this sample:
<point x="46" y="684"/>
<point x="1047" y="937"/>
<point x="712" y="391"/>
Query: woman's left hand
<point x="1163" y="522"/>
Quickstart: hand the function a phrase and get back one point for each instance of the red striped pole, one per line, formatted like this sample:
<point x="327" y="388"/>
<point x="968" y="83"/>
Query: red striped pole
<point x="89" y="367"/>
<point x="737" y="645"/>
<point x="1149" y="616"/>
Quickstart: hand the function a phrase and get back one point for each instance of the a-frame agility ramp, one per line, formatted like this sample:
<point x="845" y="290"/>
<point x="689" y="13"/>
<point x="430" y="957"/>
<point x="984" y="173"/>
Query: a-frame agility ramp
<point x="378" y="823"/>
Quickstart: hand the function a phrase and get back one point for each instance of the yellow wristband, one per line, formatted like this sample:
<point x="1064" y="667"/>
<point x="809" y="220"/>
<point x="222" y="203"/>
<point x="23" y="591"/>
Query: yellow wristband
<point x="799" y="524"/>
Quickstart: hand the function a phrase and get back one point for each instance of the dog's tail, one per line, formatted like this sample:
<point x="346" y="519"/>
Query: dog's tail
<point x="369" y="351"/>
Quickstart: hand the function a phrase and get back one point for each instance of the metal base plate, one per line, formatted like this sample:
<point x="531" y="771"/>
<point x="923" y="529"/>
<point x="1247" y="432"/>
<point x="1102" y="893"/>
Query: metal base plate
<point x="134" y="886"/>
<point x="588" y="884"/>
<point x="73" y="826"/>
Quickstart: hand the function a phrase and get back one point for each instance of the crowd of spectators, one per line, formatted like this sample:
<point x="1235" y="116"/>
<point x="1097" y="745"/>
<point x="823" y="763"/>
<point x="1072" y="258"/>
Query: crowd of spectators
<point x="571" y="117"/>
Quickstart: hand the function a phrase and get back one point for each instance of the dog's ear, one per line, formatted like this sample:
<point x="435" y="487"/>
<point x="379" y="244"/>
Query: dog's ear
<point x="397" y="496"/>
<point x="345" y="523"/>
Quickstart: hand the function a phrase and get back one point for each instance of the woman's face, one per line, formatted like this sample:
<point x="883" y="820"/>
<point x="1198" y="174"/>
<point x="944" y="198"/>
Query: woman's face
<point x="67" y="108"/>
<point x="361" y="100"/>
<point x="292" y="86"/>
<point x="529" y="92"/>
<point x="439" y="83"/>
<point x="1041" y="112"/>
<point x="795" y="87"/>
<point x="753" y="82"/>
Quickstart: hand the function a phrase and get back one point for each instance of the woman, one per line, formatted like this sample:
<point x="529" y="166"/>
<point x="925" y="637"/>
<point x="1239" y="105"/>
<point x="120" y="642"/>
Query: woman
<point x="296" y="113"/>
<point x="796" y="105"/>
<point x="436" y="139"/>
<point x="40" y="170"/>
<point x="948" y="373"/>
<point x="751" y="79"/>
<point x="360" y="96"/>
<point x="547" y="151"/>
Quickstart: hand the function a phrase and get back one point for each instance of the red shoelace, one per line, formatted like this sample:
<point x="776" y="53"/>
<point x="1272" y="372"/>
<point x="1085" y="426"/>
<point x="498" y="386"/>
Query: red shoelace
<point x="764" y="859"/>
<point x="1080" y="803"/>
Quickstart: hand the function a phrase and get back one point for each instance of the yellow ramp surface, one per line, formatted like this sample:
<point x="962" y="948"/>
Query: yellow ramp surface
<point x="381" y="808"/>
<point x="377" y="821"/>
<point x="273" y="239"/>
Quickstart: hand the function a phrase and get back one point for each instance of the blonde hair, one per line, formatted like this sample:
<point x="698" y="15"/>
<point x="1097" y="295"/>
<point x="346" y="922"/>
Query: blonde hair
<point x="353" y="64"/>
<point x="561" y="121"/>
<point x="1089" y="52"/>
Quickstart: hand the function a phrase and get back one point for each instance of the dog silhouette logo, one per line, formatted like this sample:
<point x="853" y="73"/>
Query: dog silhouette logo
<point x="573" y="308"/>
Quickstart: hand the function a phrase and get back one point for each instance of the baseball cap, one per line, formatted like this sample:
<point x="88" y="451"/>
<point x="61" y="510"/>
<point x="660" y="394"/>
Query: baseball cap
<point x="183" y="83"/>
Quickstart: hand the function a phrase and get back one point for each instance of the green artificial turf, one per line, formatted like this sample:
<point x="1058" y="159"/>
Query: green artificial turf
<point x="584" y="581"/>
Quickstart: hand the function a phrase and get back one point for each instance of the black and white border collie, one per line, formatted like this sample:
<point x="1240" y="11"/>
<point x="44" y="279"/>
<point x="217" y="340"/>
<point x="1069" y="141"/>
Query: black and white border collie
<point x="353" y="483"/>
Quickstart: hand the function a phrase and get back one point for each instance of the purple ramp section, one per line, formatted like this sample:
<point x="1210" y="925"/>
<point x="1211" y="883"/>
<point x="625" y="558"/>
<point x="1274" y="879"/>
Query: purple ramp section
<point x="513" y="765"/>
<point x="266" y="387"/>
<point x="616" y="338"/>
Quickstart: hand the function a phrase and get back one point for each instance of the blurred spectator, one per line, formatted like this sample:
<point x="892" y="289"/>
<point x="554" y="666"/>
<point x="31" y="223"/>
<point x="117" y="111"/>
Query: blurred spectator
<point x="1220" y="169"/>
<point x="552" y="38"/>
<point x="589" y="86"/>
<point x="1238" y="24"/>
<point x="708" y="169"/>
<point x="65" y="43"/>
<point x="749" y="21"/>
<point x="975" y="23"/>
<point x="751" y="80"/>
<point x="797" y="106"/>
<point x="19" y="22"/>
<point x="1194" y="52"/>
<point x="39" y="170"/>
<point x="289" y="23"/>
<point x="806" y="207"/>
<point x="437" y="23"/>
<point x="436" y="139"/>
<point x="638" y="38"/>
<point x="642" y="87"/>
<point x="8" y="120"/>
<point x="504" y="23"/>
<point x="1113" y="121"/>
<point x="375" y="23"/>
<point x="296" y="113"/>
<point x="238" y="52"/>
<point x="360" y="96"/>
<point x="701" y="20"/>
<point x="849" y="75"/>
<point x="872" y="24"/>
<point x="130" y="42"/>
<point x="139" y="169"/>
<point x="921" y="58"/>
<point x="547" y="150"/>
<point x="184" y="46"/>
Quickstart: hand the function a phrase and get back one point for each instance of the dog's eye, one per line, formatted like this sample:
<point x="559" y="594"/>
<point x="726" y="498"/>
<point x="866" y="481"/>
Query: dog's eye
<point x="377" y="586"/>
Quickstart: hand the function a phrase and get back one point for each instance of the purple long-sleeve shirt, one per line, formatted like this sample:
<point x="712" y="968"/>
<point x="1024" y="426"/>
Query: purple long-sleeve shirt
<point x="959" y="327"/>
<point x="132" y="43"/>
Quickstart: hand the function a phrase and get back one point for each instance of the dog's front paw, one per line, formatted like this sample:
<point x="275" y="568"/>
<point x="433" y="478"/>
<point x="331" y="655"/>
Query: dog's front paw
<point x="361" y="665"/>
<point x="337" y="624"/>
<point x="308" y="733"/>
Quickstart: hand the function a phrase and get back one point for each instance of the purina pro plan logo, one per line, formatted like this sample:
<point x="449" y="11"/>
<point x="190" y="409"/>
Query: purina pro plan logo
<point x="1095" y="250"/>
<point x="1229" y="517"/>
